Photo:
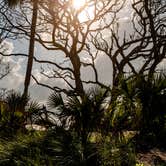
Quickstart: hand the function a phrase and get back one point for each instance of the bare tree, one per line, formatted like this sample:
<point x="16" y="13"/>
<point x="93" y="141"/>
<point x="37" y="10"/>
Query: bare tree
<point x="70" y="33"/>
<point x="66" y="30"/>
<point x="141" y="47"/>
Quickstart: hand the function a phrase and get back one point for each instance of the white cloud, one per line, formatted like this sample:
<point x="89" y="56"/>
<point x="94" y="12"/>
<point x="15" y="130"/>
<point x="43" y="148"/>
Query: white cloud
<point x="39" y="77"/>
<point x="104" y="70"/>
<point x="125" y="19"/>
<point x="6" y="47"/>
<point x="41" y="93"/>
<point x="15" y="78"/>
<point x="162" y="65"/>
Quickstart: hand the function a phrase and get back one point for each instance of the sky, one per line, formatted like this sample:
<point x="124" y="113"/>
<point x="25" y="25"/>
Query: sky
<point x="15" y="79"/>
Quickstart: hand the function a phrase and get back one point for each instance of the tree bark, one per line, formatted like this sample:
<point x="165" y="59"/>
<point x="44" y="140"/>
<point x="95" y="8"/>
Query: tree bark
<point x="31" y="48"/>
<point x="77" y="75"/>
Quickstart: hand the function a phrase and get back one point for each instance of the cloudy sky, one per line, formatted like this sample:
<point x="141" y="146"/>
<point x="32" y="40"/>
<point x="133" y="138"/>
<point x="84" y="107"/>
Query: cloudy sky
<point x="15" y="79"/>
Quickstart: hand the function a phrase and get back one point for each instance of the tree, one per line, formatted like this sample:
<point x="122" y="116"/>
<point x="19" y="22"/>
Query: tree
<point x="31" y="48"/>
<point x="12" y="3"/>
<point x="61" y="29"/>
<point x="68" y="34"/>
<point x="140" y="48"/>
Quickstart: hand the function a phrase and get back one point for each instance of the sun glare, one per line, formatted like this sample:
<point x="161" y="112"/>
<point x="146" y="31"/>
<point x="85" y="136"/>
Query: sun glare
<point x="77" y="4"/>
<point x="87" y="12"/>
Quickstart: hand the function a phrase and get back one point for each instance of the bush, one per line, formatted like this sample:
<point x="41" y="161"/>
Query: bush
<point x="117" y="151"/>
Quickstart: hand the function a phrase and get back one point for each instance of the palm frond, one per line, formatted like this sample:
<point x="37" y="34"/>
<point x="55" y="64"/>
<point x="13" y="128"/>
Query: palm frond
<point x="33" y="107"/>
<point x="73" y="103"/>
<point x="16" y="101"/>
<point x="55" y="100"/>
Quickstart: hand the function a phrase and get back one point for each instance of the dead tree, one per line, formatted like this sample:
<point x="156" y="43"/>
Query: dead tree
<point x="60" y="28"/>
<point x="140" y="48"/>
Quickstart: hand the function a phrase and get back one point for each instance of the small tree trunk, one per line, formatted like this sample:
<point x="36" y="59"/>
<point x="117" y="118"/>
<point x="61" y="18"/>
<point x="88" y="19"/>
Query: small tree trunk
<point x="84" y="146"/>
<point x="77" y="75"/>
<point x="31" y="48"/>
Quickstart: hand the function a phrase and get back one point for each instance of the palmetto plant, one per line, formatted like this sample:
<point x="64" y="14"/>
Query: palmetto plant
<point x="152" y="94"/>
<point x="76" y="113"/>
<point x="81" y="115"/>
<point x="141" y="104"/>
<point x="15" y="109"/>
<point x="127" y="106"/>
<point x="40" y="115"/>
<point x="12" y="111"/>
<point x="54" y="147"/>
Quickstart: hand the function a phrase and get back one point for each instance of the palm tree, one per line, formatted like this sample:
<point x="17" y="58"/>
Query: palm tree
<point x="12" y="3"/>
<point x="81" y="115"/>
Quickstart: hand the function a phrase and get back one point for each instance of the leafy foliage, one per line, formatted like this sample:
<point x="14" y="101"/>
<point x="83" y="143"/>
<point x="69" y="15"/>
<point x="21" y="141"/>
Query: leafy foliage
<point x="117" y="151"/>
<point x="81" y="115"/>
<point x="12" y="112"/>
<point x="80" y="139"/>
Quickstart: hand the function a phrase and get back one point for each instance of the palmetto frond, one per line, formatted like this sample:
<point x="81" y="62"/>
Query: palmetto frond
<point x="16" y="101"/>
<point x="78" y="113"/>
<point x="33" y="107"/>
<point x="97" y="96"/>
<point x="142" y="99"/>
<point x="55" y="100"/>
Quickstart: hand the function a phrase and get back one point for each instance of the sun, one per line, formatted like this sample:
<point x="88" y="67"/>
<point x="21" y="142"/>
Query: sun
<point x="77" y="4"/>
<point x="84" y="9"/>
